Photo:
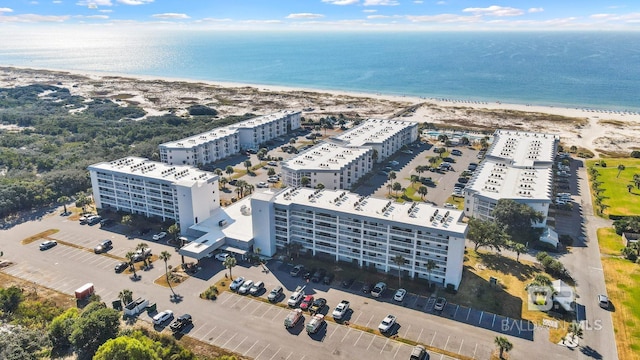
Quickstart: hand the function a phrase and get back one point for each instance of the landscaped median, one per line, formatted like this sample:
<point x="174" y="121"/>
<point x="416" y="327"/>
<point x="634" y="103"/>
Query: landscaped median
<point x="622" y="278"/>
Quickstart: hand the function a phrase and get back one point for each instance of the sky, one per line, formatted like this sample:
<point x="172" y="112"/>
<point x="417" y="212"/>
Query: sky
<point x="336" y="15"/>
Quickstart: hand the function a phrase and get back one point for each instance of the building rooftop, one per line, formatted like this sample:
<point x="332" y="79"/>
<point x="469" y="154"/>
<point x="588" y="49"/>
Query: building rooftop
<point x="417" y="214"/>
<point x="373" y="131"/>
<point x="179" y="174"/>
<point x="523" y="149"/>
<point x="495" y="179"/>
<point x="324" y="156"/>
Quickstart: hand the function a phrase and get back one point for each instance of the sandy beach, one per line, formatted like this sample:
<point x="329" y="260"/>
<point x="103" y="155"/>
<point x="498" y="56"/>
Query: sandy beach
<point x="605" y="133"/>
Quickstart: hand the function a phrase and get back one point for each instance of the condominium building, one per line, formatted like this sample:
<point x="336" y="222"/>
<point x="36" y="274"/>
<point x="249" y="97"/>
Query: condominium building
<point x="225" y="141"/>
<point x="517" y="166"/>
<point x="384" y="136"/>
<point x="365" y="231"/>
<point x="334" y="166"/>
<point x="140" y="186"/>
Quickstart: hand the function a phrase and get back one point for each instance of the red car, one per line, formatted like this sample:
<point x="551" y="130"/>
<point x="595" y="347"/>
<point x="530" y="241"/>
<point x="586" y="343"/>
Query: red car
<point x="306" y="302"/>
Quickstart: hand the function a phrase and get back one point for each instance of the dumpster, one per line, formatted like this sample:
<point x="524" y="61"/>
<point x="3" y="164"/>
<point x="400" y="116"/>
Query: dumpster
<point x="151" y="308"/>
<point x="117" y="304"/>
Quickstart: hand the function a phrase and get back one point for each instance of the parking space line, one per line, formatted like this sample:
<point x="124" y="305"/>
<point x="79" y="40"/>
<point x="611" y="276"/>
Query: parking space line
<point x="248" y="303"/>
<point x="433" y="338"/>
<point x="274" y="355"/>
<point x="447" y="343"/>
<point x="231" y="338"/>
<point x="254" y="344"/>
<point x="226" y="299"/>
<point x="474" y="351"/>
<point x="257" y="307"/>
<point x="384" y="346"/>
<point x="345" y="335"/>
<point x="334" y="330"/>
<point x="455" y="312"/>
<point x="494" y="320"/>
<point x="237" y="346"/>
<point x="371" y="342"/>
<point x="460" y="349"/>
<point x="263" y="350"/>
<point x="277" y="314"/>
<point x="291" y="353"/>
<point x="368" y="322"/>
<point x="407" y="332"/>
<point x="418" y="339"/>
<point x="398" y="349"/>
<point x="481" y="314"/>
<point x="216" y="339"/>
<point x="356" y="343"/>
<point x="468" y="313"/>
<point x="205" y="335"/>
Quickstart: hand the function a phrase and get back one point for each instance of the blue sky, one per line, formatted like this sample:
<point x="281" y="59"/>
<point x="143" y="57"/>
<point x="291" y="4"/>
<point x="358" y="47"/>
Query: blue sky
<point x="330" y="14"/>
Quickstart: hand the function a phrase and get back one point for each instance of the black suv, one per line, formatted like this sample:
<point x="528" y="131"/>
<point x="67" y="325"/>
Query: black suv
<point x="327" y="279"/>
<point x="180" y="323"/>
<point x="318" y="275"/>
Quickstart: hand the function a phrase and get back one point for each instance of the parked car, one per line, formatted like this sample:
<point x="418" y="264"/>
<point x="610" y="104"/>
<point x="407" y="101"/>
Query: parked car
<point x="245" y="287"/>
<point x="399" y="295"/>
<point x="440" y="304"/>
<point x="456" y="152"/>
<point x="418" y="353"/>
<point x="222" y="256"/>
<point x="273" y="180"/>
<point x="121" y="266"/>
<point x="450" y="206"/>
<point x="307" y="274"/>
<point x="272" y="163"/>
<point x="318" y="305"/>
<point x="106" y="222"/>
<point x="295" y="298"/>
<point x="603" y="301"/>
<point x="48" y="244"/>
<point x="318" y="275"/>
<point x="161" y="317"/>
<point x="348" y="282"/>
<point x="378" y="289"/>
<point x="256" y="288"/>
<point x="366" y="287"/>
<point x="181" y="322"/>
<point x="103" y="246"/>
<point x="94" y="219"/>
<point x="235" y="284"/>
<point x="407" y="151"/>
<point x="159" y="236"/>
<point x="262" y="184"/>
<point x="297" y="270"/>
<point x="327" y="279"/>
<point x="141" y="254"/>
<point x="275" y="294"/>
<point x="306" y="302"/>
<point x="387" y="323"/>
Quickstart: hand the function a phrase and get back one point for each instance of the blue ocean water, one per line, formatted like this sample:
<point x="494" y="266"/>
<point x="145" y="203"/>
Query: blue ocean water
<point x="575" y="69"/>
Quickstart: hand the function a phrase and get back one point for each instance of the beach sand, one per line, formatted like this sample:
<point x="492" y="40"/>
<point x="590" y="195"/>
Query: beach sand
<point x="605" y="133"/>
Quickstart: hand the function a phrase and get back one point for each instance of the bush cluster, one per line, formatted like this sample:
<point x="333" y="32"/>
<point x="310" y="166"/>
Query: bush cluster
<point x="551" y="265"/>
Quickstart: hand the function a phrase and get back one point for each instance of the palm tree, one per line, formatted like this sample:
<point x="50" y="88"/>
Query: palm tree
<point x="392" y="175"/>
<point x="414" y="180"/>
<point x="165" y="256"/>
<point x="129" y="256"/>
<point x="397" y="187"/>
<point x="422" y="190"/>
<point x="430" y="265"/>
<point x="174" y="230"/>
<point x="142" y="246"/>
<point x="292" y="141"/>
<point x="575" y="329"/>
<point x="399" y="260"/>
<point x="519" y="248"/>
<point x="64" y="200"/>
<point x="271" y="171"/>
<point x="389" y="187"/>
<point x="223" y="182"/>
<point x="229" y="263"/>
<point x="249" y="188"/>
<point x="229" y="170"/>
<point x="126" y="296"/>
<point x="240" y="186"/>
<point x="503" y="344"/>
<point x="629" y="187"/>
<point x="620" y="169"/>
<point x="636" y="180"/>
<point x="218" y="171"/>
<point x="247" y="164"/>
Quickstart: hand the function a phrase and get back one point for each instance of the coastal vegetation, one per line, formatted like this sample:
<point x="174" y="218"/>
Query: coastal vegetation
<point x="61" y="134"/>
<point x="615" y="186"/>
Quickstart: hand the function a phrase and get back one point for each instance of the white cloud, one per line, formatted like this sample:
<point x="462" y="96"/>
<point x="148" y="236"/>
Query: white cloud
<point x="33" y="18"/>
<point x="93" y="4"/>
<point x="441" y="3"/>
<point x="341" y="2"/>
<point x="97" y="17"/>
<point x="215" y="20"/>
<point x="383" y="17"/>
<point x="5" y="10"/>
<point x="106" y="11"/>
<point x="631" y="18"/>
<point x="33" y="3"/>
<point x="369" y="10"/>
<point x="262" y="21"/>
<point x="304" y="16"/>
<point x="443" y="18"/>
<point x="601" y="16"/>
<point x="57" y="1"/>
<point x="535" y="10"/>
<point x="381" y="3"/>
<point x="135" y="2"/>
<point x="418" y="1"/>
<point x="495" y="10"/>
<point x="170" y="16"/>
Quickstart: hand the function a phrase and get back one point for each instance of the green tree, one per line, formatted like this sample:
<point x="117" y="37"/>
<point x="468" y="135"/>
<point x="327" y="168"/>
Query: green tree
<point x="126" y="220"/>
<point x="486" y="233"/>
<point x="430" y="265"/>
<point x="94" y="327"/>
<point x="64" y="200"/>
<point x="271" y="171"/>
<point x="229" y="263"/>
<point x="620" y="169"/>
<point x="10" y="298"/>
<point x="397" y="187"/>
<point x="125" y="347"/>
<point x="389" y="187"/>
<point x="399" y="260"/>
<point x="247" y="164"/>
<point x="519" y="248"/>
<point x="174" y="231"/>
<point x="132" y="265"/>
<point x="414" y="180"/>
<point x="229" y="170"/>
<point x="23" y="344"/>
<point x="517" y="220"/>
<point x="218" y="172"/>
<point x="165" y="256"/>
<point x="61" y="327"/>
<point x="304" y="181"/>
<point x="576" y="329"/>
<point x="126" y="296"/>
<point x="223" y="181"/>
<point x="423" y="191"/>
<point x="142" y="247"/>
<point x="503" y="345"/>
<point x="392" y="176"/>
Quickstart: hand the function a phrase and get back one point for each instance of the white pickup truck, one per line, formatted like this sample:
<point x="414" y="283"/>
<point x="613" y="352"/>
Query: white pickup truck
<point x="341" y="310"/>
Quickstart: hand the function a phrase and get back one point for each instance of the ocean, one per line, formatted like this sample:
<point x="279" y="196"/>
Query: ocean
<point x="598" y="70"/>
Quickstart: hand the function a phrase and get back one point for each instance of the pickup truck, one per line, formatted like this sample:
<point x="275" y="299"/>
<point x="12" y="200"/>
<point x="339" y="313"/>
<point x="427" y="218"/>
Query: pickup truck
<point x="292" y="318"/>
<point x="315" y="324"/>
<point x="341" y="310"/>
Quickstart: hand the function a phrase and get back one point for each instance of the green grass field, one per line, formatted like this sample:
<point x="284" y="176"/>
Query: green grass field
<point x="617" y="197"/>
<point x="622" y="278"/>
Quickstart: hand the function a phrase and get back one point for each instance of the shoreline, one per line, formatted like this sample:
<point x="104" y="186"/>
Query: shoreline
<point x="600" y="131"/>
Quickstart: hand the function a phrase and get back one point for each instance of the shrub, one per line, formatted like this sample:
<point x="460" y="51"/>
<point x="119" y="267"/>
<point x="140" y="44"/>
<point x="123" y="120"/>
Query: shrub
<point x="541" y="255"/>
<point x="201" y="110"/>
<point x="210" y="294"/>
<point x="546" y="262"/>
<point x="603" y="164"/>
<point x="635" y="154"/>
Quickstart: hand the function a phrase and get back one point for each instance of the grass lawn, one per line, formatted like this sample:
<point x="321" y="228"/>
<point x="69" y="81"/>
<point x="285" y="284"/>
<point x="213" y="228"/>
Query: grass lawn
<point x="617" y="198"/>
<point x="622" y="278"/>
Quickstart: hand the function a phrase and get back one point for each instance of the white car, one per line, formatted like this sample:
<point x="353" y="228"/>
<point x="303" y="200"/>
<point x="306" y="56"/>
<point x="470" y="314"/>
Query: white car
<point x="262" y="184"/>
<point x="159" y="236"/>
<point x="399" y="296"/>
<point x="235" y="284"/>
<point x="222" y="256"/>
<point x="295" y="298"/>
<point x="162" y="317"/>
<point x="407" y="151"/>
<point x="48" y="244"/>
<point x="246" y="286"/>
<point x="387" y="323"/>
<point x="378" y="289"/>
<point x="272" y="163"/>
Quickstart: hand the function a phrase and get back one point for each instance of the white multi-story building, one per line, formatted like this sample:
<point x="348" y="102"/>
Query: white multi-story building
<point x="225" y="141"/>
<point x="329" y="164"/>
<point x="140" y="186"/>
<point x="517" y="166"/>
<point x="365" y="231"/>
<point x="384" y="136"/>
